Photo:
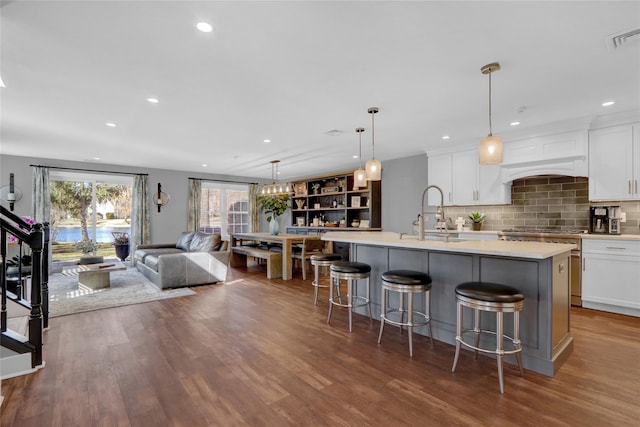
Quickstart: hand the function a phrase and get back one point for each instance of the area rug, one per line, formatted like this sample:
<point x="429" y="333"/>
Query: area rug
<point x="66" y="296"/>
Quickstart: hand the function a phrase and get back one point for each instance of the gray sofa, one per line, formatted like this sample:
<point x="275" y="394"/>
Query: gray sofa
<point x="195" y="259"/>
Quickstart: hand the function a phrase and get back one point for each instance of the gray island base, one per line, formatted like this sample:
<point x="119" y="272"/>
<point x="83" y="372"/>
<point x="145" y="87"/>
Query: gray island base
<point x="540" y="270"/>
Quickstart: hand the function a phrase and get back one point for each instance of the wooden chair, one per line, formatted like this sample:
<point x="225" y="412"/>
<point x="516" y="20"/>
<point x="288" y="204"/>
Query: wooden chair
<point x="310" y="246"/>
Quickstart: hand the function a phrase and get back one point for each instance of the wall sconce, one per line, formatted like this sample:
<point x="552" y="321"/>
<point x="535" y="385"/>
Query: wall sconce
<point x="160" y="198"/>
<point x="10" y="193"/>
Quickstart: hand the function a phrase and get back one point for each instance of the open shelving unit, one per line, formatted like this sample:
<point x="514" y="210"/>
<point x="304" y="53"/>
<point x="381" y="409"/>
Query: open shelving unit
<point x="332" y="198"/>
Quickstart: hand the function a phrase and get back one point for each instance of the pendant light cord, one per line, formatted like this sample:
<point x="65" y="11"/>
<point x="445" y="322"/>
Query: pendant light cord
<point x="373" y="143"/>
<point x="490" y="129"/>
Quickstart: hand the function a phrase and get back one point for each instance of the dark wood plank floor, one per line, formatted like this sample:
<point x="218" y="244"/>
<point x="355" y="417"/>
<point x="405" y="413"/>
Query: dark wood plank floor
<point x="259" y="353"/>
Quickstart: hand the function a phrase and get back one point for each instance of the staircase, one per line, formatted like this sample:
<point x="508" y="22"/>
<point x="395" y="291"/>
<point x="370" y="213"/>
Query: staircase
<point x="24" y="310"/>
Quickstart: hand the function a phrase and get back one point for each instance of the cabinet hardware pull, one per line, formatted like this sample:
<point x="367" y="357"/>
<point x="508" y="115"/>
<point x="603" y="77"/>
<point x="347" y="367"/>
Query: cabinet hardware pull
<point x="616" y="248"/>
<point x="560" y="268"/>
<point x="584" y="264"/>
<point x="629" y="186"/>
<point x="636" y="181"/>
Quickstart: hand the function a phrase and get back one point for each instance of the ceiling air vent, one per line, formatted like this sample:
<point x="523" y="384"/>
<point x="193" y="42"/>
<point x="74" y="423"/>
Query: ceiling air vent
<point x="614" y="41"/>
<point x="334" y="132"/>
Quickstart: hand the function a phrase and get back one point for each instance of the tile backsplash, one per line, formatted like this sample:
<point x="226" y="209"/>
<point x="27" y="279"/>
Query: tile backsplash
<point x="559" y="202"/>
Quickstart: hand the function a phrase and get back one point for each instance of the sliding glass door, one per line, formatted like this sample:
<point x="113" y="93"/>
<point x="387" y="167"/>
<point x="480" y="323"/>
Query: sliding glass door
<point x="86" y="209"/>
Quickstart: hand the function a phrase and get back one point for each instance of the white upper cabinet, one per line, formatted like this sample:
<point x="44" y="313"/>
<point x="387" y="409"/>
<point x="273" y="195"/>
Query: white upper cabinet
<point x="465" y="182"/>
<point x="614" y="163"/>
<point x="439" y="173"/>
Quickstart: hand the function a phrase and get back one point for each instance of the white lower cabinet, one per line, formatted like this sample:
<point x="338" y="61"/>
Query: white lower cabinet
<point x="611" y="275"/>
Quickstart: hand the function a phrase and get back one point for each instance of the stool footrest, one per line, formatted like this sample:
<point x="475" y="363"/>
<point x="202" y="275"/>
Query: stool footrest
<point x="384" y="316"/>
<point x="511" y="340"/>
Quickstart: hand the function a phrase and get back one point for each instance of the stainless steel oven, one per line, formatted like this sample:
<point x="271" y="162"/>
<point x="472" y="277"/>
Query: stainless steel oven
<point x="555" y="236"/>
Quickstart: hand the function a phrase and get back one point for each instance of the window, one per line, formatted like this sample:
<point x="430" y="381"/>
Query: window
<point x="86" y="208"/>
<point x="224" y="208"/>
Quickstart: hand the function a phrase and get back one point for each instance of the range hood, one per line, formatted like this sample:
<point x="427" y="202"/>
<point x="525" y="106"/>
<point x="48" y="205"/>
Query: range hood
<point x="558" y="154"/>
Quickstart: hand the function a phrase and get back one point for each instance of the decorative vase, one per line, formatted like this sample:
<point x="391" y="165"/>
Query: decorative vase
<point x="477" y="226"/>
<point x="122" y="251"/>
<point x="274" y="226"/>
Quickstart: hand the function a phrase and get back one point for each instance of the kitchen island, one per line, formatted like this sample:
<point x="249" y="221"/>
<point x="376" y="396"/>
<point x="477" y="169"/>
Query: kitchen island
<point x="540" y="270"/>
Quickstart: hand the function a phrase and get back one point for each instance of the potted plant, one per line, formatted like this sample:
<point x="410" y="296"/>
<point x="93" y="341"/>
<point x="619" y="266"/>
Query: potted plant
<point x="273" y="206"/>
<point x="121" y="243"/>
<point x="343" y="222"/>
<point x="477" y="218"/>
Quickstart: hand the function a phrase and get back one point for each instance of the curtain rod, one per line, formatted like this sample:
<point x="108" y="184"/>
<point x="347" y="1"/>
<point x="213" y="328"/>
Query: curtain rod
<point x="88" y="170"/>
<point x="224" y="180"/>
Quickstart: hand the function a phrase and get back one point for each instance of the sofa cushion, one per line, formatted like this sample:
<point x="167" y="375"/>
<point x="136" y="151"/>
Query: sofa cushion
<point x="203" y="242"/>
<point x="184" y="241"/>
<point x="141" y="254"/>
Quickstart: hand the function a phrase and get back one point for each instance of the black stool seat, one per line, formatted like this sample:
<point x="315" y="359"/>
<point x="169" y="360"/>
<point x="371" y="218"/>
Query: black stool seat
<point x="406" y="277"/>
<point x="326" y="257"/>
<point x="489" y="292"/>
<point x="350" y="267"/>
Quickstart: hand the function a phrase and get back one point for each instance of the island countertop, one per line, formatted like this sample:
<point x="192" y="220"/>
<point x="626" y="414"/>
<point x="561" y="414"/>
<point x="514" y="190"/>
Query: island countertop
<point x="531" y="250"/>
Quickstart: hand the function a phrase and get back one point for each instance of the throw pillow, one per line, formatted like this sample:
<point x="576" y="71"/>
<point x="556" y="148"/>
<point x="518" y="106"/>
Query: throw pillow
<point x="184" y="241"/>
<point x="202" y="242"/>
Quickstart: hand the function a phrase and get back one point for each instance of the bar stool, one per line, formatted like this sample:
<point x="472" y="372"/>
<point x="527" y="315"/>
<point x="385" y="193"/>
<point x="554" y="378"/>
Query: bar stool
<point x="318" y="261"/>
<point x="351" y="272"/>
<point x="405" y="282"/>
<point x="496" y="298"/>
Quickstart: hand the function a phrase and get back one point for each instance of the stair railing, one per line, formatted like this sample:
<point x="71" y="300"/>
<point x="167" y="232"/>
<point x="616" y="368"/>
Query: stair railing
<point x="36" y="237"/>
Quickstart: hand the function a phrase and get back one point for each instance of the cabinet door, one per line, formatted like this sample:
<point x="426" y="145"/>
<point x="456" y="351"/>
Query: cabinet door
<point x="464" y="177"/>
<point x="611" y="280"/>
<point x="439" y="174"/>
<point x="636" y="161"/>
<point x="491" y="190"/>
<point x="611" y="163"/>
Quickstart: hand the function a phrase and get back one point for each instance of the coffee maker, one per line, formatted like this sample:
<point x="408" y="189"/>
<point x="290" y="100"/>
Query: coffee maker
<point x="615" y="216"/>
<point x="599" y="220"/>
<point x="605" y="219"/>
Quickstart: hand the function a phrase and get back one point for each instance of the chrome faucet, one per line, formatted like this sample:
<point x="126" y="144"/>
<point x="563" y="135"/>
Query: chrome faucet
<point x="440" y="217"/>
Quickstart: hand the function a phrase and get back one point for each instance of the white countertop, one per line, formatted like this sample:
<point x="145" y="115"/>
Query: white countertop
<point x="612" y="236"/>
<point x="533" y="250"/>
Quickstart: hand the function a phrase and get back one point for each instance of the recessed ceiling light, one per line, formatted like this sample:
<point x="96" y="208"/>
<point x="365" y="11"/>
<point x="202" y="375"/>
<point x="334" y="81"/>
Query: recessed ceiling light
<point x="153" y="100"/>
<point x="204" y="165"/>
<point x="608" y="103"/>
<point x="204" y="27"/>
<point x="514" y="123"/>
<point x="445" y="137"/>
<point x="96" y="158"/>
<point x="266" y="141"/>
<point x="110" y="124"/>
<point x="355" y="156"/>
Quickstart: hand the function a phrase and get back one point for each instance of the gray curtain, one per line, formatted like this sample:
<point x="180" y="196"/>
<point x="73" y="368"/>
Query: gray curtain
<point x="253" y="208"/>
<point x="140" y="232"/>
<point x="41" y="196"/>
<point x="41" y="200"/>
<point x="195" y="194"/>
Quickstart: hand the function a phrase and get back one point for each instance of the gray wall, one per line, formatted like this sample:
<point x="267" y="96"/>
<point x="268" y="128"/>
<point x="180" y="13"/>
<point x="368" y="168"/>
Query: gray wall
<point x="165" y="226"/>
<point x="403" y="181"/>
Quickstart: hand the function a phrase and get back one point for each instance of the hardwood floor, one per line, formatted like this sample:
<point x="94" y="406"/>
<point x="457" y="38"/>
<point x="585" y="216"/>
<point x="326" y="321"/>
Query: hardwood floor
<point x="259" y="353"/>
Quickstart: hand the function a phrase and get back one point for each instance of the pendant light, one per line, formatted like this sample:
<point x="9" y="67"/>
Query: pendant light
<point x="274" y="187"/>
<point x="373" y="166"/>
<point x="360" y="176"/>
<point x="490" y="150"/>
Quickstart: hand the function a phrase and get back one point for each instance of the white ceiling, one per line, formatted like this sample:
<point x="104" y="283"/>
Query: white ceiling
<point x="291" y="71"/>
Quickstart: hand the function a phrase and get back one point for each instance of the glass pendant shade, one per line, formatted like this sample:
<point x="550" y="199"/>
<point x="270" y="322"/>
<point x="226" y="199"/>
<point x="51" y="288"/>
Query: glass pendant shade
<point x="490" y="150"/>
<point x="374" y="169"/>
<point x="360" y="178"/>
<point x="360" y="175"/>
